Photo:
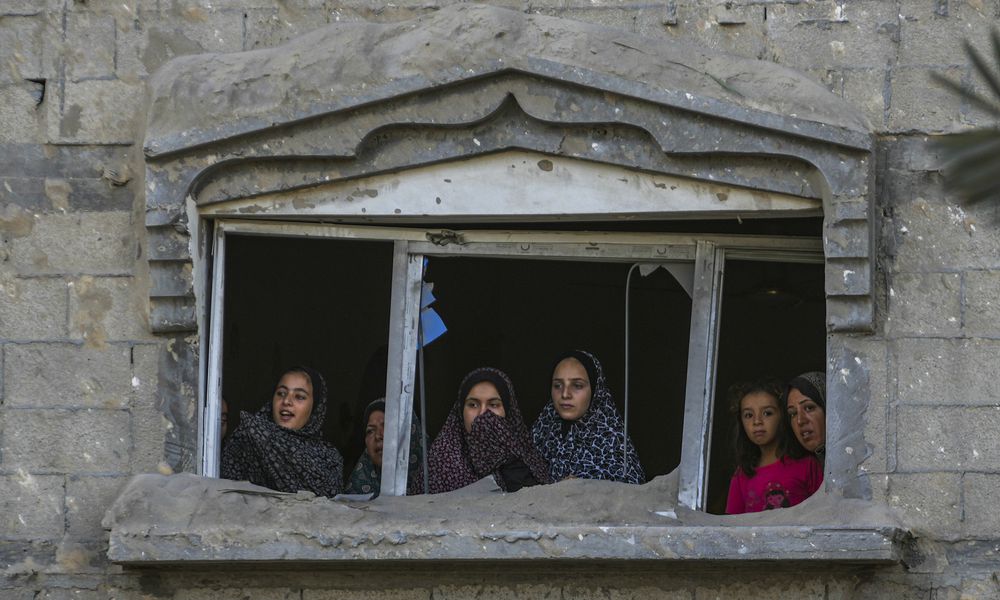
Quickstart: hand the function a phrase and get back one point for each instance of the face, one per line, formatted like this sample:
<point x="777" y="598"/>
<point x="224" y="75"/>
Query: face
<point x="761" y="418"/>
<point x="293" y="401"/>
<point x="374" y="431"/>
<point x="571" y="390"/>
<point x="481" y="398"/>
<point x="808" y="420"/>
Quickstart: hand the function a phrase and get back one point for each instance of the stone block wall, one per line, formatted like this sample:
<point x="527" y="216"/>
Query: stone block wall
<point x="82" y="380"/>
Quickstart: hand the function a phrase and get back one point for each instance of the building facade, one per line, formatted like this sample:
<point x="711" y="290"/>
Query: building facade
<point x="151" y="189"/>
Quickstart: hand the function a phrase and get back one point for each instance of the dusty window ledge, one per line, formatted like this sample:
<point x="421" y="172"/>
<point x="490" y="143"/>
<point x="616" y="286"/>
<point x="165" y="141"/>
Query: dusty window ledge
<point x="186" y="519"/>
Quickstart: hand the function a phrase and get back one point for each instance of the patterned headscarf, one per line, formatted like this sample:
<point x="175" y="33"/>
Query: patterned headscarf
<point x="264" y="453"/>
<point x="366" y="478"/>
<point x="593" y="446"/>
<point x="812" y="385"/>
<point x="457" y="459"/>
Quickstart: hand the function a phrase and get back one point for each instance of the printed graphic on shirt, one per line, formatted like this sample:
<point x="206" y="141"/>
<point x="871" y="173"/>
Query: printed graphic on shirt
<point x="776" y="497"/>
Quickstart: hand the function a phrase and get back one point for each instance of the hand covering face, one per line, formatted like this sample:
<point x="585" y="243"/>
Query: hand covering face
<point x="498" y="446"/>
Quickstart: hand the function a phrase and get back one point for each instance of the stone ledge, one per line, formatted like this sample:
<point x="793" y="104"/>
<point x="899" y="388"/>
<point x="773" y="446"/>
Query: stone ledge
<point x="185" y="520"/>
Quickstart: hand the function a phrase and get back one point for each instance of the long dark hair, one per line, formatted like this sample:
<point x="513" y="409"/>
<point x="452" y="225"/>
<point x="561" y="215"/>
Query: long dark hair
<point x="747" y="453"/>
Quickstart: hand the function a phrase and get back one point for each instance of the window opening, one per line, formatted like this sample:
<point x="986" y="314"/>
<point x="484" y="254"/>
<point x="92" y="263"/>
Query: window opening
<point x="772" y="323"/>
<point x="318" y="302"/>
<point x="518" y="314"/>
<point x="510" y="299"/>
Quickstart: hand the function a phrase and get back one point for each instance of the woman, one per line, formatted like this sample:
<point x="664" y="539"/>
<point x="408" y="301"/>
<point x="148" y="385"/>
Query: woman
<point x="580" y="432"/>
<point x="366" y="478"/>
<point x="280" y="446"/>
<point x="805" y="401"/>
<point x="485" y="435"/>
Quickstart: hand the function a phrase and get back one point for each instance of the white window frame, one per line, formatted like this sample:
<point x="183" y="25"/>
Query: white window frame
<point x="708" y="253"/>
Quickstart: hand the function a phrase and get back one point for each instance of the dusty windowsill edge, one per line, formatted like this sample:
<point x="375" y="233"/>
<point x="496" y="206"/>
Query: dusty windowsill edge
<point x="188" y="520"/>
<point x="685" y="544"/>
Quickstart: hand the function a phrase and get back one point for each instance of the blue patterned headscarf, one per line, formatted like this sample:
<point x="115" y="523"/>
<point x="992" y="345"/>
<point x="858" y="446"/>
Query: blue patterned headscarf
<point x="594" y="446"/>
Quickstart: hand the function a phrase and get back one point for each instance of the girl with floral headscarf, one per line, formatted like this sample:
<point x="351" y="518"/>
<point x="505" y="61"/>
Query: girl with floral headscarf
<point x="580" y="432"/>
<point x="281" y="445"/>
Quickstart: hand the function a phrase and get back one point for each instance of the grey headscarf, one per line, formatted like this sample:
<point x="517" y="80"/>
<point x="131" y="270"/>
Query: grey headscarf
<point x="812" y="385"/>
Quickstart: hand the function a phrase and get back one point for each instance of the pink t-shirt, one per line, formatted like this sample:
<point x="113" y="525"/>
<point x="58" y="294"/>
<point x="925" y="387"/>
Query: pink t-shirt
<point x="780" y="484"/>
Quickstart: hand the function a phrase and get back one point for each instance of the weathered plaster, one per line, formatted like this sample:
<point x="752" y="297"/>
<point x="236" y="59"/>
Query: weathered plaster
<point x="472" y="80"/>
<point x="517" y="186"/>
<point x="188" y="519"/>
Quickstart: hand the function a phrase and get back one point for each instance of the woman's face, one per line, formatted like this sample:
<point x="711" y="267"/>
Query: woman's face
<point x="481" y="398"/>
<point x="293" y="401"/>
<point x="808" y="420"/>
<point x="374" y="430"/>
<point x="571" y="390"/>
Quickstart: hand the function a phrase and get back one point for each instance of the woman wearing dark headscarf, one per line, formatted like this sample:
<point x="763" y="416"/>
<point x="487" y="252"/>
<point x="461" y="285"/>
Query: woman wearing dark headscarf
<point x="485" y="435"/>
<point x="366" y="478"/>
<point x="580" y="432"/>
<point x="805" y="400"/>
<point x="280" y="446"/>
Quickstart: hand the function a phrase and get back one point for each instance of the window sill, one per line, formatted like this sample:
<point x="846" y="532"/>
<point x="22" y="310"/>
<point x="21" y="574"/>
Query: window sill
<point x="188" y="520"/>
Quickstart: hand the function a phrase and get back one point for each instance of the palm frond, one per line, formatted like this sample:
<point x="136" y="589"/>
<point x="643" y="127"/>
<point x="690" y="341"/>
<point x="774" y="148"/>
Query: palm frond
<point x="972" y="163"/>
<point x="972" y="158"/>
<point x="979" y="100"/>
<point x="982" y="66"/>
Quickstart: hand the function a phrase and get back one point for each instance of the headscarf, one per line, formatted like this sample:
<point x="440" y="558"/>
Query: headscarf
<point x="288" y="460"/>
<point x="498" y="446"/>
<point x="366" y="478"/>
<point x="812" y="385"/>
<point x="594" y="446"/>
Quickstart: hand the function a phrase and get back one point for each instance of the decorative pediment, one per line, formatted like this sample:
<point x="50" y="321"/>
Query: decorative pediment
<point x="364" y="100"/>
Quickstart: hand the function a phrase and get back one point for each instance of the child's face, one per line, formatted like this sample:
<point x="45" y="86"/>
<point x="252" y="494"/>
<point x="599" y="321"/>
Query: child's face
<point x="761" y="418"/>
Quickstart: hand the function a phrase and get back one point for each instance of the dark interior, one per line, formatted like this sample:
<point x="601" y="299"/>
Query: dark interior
<point x="326" y="303"/>
<point x="517" y="315"/>
<point x="773" y="324"/>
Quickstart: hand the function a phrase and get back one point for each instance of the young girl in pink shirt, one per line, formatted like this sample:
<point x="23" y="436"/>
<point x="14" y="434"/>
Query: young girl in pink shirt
<point x="770" y="473"/>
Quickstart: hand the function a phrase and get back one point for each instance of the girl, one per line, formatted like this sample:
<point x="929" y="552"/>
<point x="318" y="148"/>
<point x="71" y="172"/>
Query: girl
<point x="580" y="432"/>
<point x="485" y="435"/>
<point x="770" y="474"/>
<point x="281" y="445"/>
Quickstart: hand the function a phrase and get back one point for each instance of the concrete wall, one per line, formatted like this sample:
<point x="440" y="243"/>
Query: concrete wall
<point x="82" y="379"/>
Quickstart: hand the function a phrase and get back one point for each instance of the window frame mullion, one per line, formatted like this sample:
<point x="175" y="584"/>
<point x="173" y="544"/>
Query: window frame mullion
<point x="211" y="418"/>
<point x="404" y="319"/>
<point x="702" y="356"/>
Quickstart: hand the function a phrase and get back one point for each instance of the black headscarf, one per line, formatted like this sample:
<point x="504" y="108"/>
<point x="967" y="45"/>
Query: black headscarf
<point x="594" y="446"/>
<point x="264" y="453"/>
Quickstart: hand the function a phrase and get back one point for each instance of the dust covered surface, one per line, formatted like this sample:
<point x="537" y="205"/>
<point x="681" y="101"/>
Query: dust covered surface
<point x="186" y="519"/>
<point x="206" y="98"/>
